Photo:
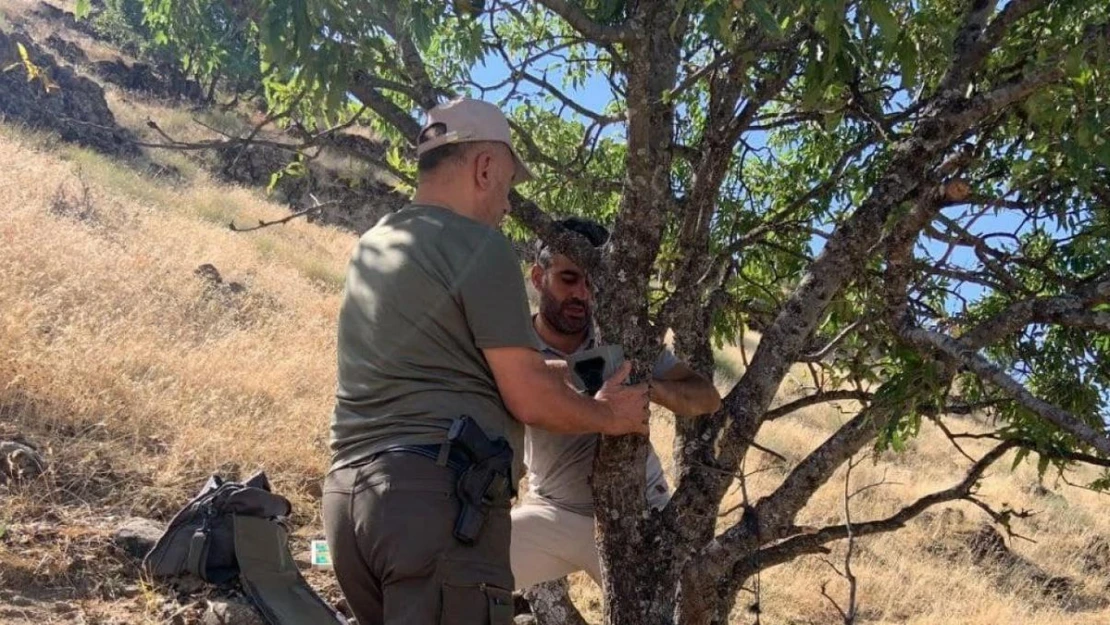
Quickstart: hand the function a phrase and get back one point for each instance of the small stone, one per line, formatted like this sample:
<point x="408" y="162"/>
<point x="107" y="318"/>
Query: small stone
<point x="188" y="584"/>
<point x="137" y="536"/>
<point x="231" y="612"/>
<point x="520" y="604"/>
<point x="303" y="560"/>
<point x="524" y="619"/>
<point x="209" y="273"/>
<point x="19" y="462"/>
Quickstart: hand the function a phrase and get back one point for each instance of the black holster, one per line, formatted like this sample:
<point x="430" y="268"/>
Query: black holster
<point x="485" y="482"/>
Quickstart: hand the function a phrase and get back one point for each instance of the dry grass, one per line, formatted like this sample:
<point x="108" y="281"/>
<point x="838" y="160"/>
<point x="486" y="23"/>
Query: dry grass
<point x="140" y="380"/>
<point x="106" y="324"/>
<point x="138" y="377"/>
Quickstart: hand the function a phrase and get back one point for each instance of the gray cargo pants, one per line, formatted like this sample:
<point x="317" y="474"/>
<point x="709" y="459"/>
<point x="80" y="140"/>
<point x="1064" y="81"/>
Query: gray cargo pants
<point x="389" y="525"/>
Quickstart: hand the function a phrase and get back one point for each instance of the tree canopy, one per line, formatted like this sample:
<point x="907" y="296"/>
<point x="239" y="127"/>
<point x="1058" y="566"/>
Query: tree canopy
<point x="910" y="198"/>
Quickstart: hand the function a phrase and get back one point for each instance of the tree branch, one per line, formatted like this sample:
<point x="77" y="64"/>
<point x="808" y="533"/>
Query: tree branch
<point x="975" y="40"/>
<point x="533" y="153"/>
<point x="820" y="354"/>
<point x="968" y="47"/>
<point x="814" y="541"/>
<point x="422" y="91"/>
<point x="581" y="22"/>
<point x="564" y="241"/>
<point x="983" y="252"/>
<point x="551" y="604"/>
<point x="315" y="208"/>
<point x="1070" y="309"/>
<point x="362" y="86"/>
<point x="944" y="121"/>
<point x="848" y="613"/>
<point x="569" y="101"/>
<point x="992" y="373"/>
<point x="817" y="398"/>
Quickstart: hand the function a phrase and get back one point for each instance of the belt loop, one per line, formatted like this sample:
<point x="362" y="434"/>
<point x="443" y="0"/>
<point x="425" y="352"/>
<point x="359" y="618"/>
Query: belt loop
<point x="444" y="451"/>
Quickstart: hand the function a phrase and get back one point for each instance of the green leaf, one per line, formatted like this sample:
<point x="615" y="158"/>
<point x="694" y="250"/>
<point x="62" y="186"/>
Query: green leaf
<point x="814" y="85"/>
<point x="296" y="168"/>
<point x="83" y="8"/>
<point x="1042" y="465"/>
<point x="908" y="53"/>
<point x="1085" y="135"/>
<point x="831" y="25"/>
<point x="765" y="17"/>
<point x="889" y="28"/>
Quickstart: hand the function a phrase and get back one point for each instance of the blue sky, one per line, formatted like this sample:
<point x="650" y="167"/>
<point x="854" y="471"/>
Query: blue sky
<point x="596" y="93"/>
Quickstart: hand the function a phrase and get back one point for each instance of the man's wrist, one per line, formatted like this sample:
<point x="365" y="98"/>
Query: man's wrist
<point x="607" y="418"/>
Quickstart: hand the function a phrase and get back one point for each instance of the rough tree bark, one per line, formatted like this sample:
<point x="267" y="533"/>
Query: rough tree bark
<point x="624" y="529"/>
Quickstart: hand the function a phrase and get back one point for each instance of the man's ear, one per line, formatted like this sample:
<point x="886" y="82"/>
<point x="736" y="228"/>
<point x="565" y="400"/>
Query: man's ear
<point x="537" y="276"/>
<point x="483" y="169"/>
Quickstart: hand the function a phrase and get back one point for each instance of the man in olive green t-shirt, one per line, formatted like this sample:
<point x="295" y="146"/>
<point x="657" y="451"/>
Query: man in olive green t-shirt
<point x="434" y="324"/>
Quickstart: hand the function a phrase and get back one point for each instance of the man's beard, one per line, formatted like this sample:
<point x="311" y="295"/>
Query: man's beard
<point x="552" y="312"/>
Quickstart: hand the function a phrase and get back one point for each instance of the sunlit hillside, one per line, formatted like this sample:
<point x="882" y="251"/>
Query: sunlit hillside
<point x="145" y="346"/>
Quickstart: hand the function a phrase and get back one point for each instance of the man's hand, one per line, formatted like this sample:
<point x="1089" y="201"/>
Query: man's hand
<point x="539" y="397"/>
<point x="630" y="404"/>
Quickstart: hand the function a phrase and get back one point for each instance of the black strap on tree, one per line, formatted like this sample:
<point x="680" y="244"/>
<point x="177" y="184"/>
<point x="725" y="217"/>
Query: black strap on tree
<point x="751" y="522"/>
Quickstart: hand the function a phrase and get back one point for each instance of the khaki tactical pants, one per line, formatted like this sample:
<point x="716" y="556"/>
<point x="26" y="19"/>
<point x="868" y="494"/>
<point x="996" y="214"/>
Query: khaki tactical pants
<point x="389" y="528"/>
<point x="550" y="543"/>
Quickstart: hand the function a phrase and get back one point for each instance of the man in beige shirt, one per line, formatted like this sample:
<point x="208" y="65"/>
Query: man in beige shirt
<point x="553" y="528"/>
<point x="433" y="326"/>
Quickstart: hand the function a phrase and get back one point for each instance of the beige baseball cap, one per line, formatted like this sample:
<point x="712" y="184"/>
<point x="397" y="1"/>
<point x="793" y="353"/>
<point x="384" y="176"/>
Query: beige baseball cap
<point x="467" y="119"/>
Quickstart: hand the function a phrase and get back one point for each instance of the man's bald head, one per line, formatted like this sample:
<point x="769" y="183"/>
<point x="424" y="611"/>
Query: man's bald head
<point x="466" y="161"/>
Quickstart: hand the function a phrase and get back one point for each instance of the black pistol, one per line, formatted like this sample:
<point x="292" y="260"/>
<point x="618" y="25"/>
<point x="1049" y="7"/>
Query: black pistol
<point x="485" y="482"/>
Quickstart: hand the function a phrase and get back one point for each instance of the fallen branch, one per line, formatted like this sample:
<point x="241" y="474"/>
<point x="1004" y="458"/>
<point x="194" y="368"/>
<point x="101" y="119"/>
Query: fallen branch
<point x="317" y="207"/>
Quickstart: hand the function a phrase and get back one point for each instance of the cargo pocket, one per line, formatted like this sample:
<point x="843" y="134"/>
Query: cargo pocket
<point x="476" y="604"/>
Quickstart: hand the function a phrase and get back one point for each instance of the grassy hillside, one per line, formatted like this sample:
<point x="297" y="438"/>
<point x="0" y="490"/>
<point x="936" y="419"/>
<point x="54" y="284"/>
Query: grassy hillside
<point x="138" y="376"/>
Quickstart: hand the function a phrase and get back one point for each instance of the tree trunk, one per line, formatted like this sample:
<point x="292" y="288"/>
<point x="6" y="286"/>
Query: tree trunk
<point x="551" y="604"/>
<point x="636" y="595"/>
<point x="210" y="97"/>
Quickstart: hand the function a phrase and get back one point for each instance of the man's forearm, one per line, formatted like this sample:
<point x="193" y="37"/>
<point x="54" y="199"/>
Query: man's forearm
<point x="560" y="368"/>
<point x="687" y="397"/>
<point x="556" y="407"/>
<point x="539" y="394"/>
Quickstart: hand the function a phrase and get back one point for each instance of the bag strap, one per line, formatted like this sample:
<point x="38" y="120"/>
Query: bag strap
<point x="198" y="549"/>
<point x="271" y="579"/>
